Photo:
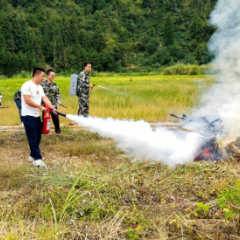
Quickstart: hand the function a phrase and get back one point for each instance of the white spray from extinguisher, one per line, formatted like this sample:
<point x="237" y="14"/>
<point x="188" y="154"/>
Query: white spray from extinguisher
<point x="139" y="140"/>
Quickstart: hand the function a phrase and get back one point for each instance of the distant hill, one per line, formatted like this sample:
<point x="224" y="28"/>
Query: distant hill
<point x="115" y="35"/>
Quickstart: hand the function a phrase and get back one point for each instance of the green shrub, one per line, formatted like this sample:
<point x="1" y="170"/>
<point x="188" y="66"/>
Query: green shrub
<point x="22" y="74"/>
<point x="3" y="77"/>
<point x="25" y="74"/>
<point x="183" y="69"/>
<point x="229" y="201"/>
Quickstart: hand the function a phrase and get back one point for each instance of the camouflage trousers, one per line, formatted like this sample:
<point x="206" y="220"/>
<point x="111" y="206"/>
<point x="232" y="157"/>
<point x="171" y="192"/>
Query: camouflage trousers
<point x="83" y="105"/>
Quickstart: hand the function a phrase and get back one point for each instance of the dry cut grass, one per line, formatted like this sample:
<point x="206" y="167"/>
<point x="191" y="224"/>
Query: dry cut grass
<point x="99" y="193"/>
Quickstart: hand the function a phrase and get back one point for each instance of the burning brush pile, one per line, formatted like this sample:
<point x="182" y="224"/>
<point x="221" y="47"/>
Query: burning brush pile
<point x="214" y="146"/>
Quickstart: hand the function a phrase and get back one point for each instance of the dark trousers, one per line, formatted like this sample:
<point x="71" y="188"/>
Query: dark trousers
<point x="33" y="129"/>
<point x="55" y="120"/>
<point x="19" y="106"/>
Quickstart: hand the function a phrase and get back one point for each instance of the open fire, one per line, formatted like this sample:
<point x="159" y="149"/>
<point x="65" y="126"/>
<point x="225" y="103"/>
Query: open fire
<point x="211" y="148"/>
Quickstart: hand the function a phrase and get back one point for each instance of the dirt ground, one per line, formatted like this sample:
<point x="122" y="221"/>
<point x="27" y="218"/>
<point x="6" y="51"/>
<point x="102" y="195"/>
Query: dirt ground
<point x="166" y="197"/>
<point x="14" y="150"/>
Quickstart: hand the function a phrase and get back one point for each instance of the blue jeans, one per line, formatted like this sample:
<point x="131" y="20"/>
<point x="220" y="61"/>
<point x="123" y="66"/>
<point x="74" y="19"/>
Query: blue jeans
<point x="19" y="106"/>
<point x="33" y="129"/>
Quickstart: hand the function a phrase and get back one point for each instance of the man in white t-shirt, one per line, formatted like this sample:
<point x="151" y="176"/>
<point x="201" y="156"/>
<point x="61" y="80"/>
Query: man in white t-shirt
<point x="31" y="97"/>
<point x="0" y="99"/>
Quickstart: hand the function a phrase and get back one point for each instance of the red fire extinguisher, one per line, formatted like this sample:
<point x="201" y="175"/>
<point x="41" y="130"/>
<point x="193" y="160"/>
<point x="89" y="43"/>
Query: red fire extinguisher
<point x="46" y="121"/>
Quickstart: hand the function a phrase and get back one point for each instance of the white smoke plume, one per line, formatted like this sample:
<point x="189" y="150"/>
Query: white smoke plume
<point x="222" y="101"/>
<point x="139" y="140"/>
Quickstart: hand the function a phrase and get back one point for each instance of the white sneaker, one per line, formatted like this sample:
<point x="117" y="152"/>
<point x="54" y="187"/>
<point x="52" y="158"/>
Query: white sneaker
<point x="30" y="159"/>
<point x="39" y="163"/>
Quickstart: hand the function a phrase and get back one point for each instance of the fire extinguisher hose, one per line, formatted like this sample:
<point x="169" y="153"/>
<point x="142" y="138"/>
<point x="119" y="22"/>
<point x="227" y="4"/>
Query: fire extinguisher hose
<point x="61" y="114"/>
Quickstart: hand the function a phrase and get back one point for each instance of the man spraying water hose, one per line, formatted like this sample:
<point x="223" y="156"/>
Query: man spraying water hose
<point x="83" y="91"/>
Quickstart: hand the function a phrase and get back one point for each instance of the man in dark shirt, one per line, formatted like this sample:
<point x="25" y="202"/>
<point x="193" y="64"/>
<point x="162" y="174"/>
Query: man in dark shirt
<point x="17" y="100"/>
<point x="83" y="90"/>
<point x="51" y="90"/>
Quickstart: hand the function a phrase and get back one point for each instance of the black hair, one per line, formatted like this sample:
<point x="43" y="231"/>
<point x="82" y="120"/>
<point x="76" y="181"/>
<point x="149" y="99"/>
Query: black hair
<point x="38" y="70"/>
<point x="49" y="70"/>
<point x="86" y="63"/>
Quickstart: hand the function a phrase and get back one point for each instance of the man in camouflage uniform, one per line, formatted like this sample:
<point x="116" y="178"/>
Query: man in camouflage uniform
<point x="51" y="90"/>
<point x="17" y="100"/>
<point x="83" y="90"/>
<point x="0" y="98"/>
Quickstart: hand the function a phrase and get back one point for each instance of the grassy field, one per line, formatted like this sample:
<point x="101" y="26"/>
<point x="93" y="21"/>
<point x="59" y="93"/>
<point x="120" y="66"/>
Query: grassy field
<point x="93" y="191"/>
<point x="151" y="98"/>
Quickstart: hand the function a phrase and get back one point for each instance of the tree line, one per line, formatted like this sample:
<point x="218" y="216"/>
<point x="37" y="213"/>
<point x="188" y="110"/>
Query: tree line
<point x="115" y="35"/>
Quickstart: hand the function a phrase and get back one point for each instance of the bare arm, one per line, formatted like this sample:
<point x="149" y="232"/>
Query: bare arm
<point x="48" y="103"/>
<point x="30" y="102"/>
